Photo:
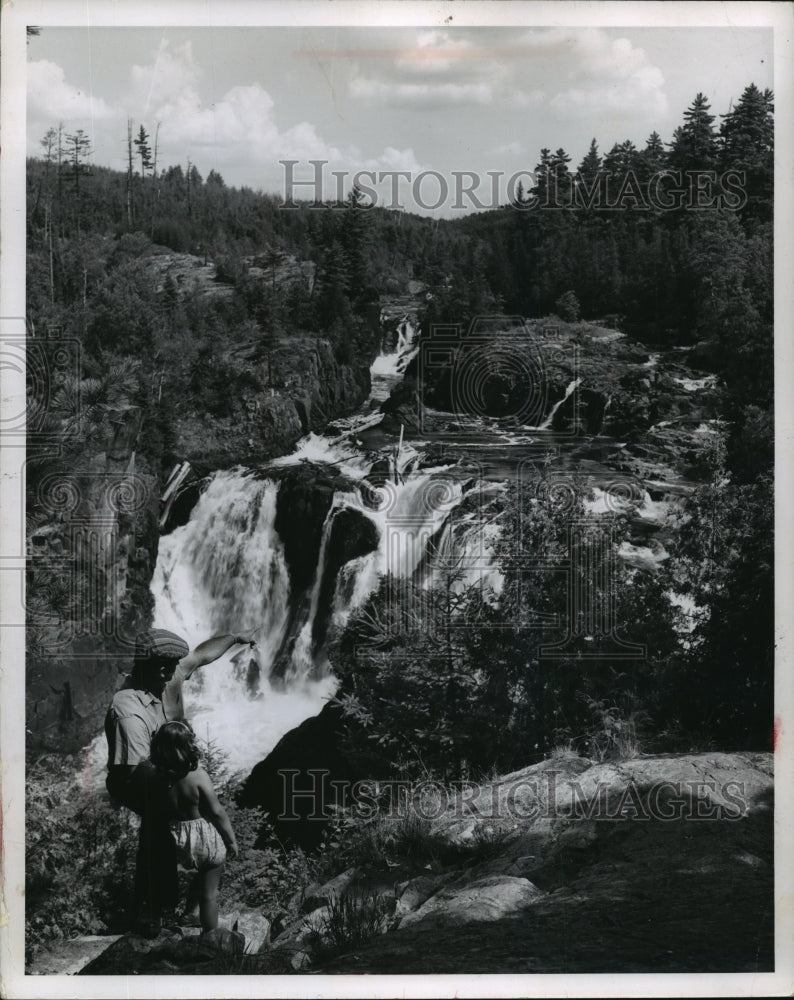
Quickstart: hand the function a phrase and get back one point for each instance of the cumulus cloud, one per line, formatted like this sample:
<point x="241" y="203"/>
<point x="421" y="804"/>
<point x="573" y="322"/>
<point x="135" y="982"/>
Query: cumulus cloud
<point x="514" y="148"/>
<point x="578" y="71"/>
<point x="52" y="98"/>
<point x="241" y="127"/>
<point x="171" y="79"/>
<point x="435" y="52"/>
<point x="526" y="98"/>
<point x="597" y="73"/>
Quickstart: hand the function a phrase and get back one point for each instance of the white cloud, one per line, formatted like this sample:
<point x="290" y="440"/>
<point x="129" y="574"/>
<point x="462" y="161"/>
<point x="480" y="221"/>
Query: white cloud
<point x="436" y="70"/>
<point x="171" y="78"/>
<point x="52" y="99"/>
<point x="395" y="159"/>
<point x="240" y="126"/>
<point x="578" y="71"/>
<point x="603" y="74"/>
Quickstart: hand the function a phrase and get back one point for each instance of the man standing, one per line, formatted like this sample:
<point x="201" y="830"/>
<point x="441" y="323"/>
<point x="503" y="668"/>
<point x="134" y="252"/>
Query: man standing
<point x="152" y="697"/>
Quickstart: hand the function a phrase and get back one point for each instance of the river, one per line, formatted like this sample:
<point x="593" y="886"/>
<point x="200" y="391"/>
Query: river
<point x="227" y="570"/>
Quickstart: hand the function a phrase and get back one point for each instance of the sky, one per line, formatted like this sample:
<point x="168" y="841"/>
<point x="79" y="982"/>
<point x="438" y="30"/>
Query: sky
<point x="442" y="98"/>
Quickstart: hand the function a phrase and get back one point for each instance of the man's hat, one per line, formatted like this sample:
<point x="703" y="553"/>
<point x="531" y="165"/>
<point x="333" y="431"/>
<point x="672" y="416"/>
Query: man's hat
<point x="159" y="642"/>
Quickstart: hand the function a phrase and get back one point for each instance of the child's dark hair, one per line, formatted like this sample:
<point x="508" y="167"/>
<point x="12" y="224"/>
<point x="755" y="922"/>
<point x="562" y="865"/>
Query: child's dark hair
<point x="174" y="751"/>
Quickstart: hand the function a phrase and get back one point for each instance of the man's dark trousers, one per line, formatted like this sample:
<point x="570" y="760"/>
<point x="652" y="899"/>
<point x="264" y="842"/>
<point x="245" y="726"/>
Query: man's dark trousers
<point x="141" y="789"/>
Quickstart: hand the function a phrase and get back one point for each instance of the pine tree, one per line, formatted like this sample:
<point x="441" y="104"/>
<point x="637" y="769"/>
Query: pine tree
<point x="542" y="172"/>
<point x="130" y="211"/>
<point x="694" y="145"/>
<point x="653" y="158"/>
<point x="591" y="163"/>
<point x="622" y="158"/>
<point x="747" y="135"/>
<point x="78" y="149"/>
<point x="144" y="151"/>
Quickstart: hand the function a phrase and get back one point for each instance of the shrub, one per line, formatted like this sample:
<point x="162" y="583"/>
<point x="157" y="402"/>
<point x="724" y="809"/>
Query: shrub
<point x="615" y="731"/>
<point x="265" y="877"/>
<point x="354" y="916"/>
<point x="80" y="856"/>
<point x="567" y="307"/>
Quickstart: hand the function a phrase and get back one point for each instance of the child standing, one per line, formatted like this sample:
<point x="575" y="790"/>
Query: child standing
<point x="199" y="824"/>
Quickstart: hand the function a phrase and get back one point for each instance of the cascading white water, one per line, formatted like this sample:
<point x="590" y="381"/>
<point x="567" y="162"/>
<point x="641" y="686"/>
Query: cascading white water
<point x="388" y="369"/>
<point x="568" y="392"/>
<point x="224" y="571"/>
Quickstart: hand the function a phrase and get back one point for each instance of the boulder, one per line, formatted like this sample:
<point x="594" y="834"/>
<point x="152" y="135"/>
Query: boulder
<point x="316" y="895"/>
<point x="69" y="956"/>
<point x="255" y="928"/>
<point x="413" y="893"/>
<point x="302" y="932"/>
<point x="314" y="750"/>
<point x="171" y="952"/>
<point x="485" y="899"/>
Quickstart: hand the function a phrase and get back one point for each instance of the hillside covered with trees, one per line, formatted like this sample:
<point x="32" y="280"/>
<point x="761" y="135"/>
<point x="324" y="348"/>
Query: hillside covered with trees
<point x="214" y="326"/>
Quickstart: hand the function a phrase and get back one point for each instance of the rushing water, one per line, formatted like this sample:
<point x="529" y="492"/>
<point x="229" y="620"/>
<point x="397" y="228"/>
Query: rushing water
<point x="226" y="569"/>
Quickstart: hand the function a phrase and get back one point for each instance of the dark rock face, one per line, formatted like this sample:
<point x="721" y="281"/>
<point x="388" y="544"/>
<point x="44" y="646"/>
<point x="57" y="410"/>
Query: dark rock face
<point x="308" y="759"/>
<point x="305" y="496"/>
<point x="182" y="506"/>
<point x="351" y="535"/>
<point x="312" y="387"/>
<point x="106" y="547"/>
<point x="582" y="411"/>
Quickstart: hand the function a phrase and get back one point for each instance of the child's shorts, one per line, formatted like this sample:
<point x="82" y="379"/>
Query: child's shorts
<point x="198" y="843"/>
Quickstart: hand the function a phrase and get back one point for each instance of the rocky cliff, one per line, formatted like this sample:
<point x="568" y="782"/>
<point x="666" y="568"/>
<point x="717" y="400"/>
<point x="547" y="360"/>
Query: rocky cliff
<point x="312" y="387"/>
<point x="93" y="542"/>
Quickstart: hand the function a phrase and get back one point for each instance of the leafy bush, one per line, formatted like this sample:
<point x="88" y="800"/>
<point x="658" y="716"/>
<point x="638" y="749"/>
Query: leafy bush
<point x="80" y="857"/>
<point x="80" y="860"/>
<point x="567" y="307"/>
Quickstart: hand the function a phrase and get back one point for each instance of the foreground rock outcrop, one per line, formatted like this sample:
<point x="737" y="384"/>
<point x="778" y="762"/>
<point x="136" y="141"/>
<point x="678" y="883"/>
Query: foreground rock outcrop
<point x="232" y="947"/>
<point x="570" y="866"/>
<point x="654" y="864"/>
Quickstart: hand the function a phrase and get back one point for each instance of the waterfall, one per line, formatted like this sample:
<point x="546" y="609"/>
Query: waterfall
<point x="222" y="572"/>
<point x="226" y="570"/>
<point x="546" y="425"/>
<point x="302" y="661"/>
<point x="388" y="369"/>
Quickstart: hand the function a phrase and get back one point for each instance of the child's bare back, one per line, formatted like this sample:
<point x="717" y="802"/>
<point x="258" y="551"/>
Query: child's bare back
<point x="199" y="824"/>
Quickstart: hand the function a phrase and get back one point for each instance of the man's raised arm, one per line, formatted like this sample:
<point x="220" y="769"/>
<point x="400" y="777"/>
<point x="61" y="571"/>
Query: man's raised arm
<point x="211" y="649"/>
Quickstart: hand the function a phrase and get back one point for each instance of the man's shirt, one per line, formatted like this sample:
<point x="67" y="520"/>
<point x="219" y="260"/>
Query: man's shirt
<point x="130" y="723"/>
